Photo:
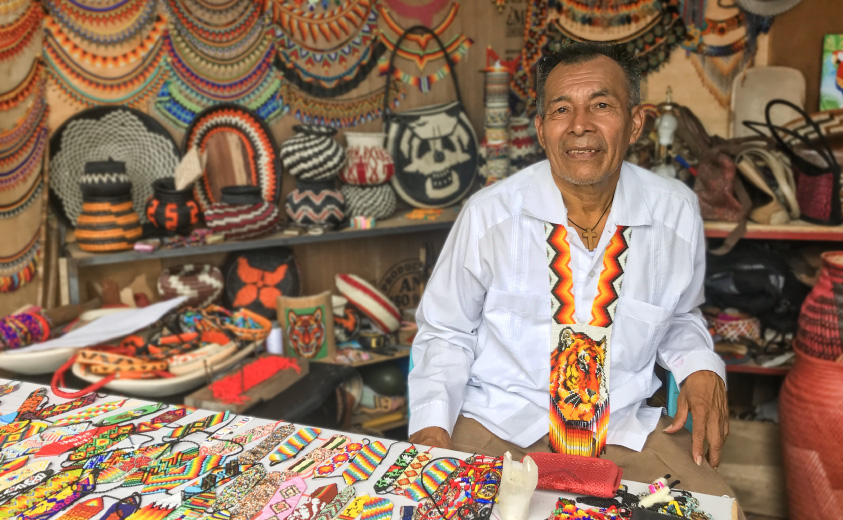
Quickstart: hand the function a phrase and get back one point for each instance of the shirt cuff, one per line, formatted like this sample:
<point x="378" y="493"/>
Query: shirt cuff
<point x="430" y="413"/>
<point x="696" y="361"/>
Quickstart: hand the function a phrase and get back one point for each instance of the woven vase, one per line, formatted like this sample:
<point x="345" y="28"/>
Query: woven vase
<point x="811" y="418"/>
<point x="170" y="210"/>
<point x="369" y="201"/>
<point x="108" y="221"/>
<point x="821" y="317"/>
<point x="316" y="203"/>
<point x="242" y="214"/>
<point x="312" y="154"/>
<point x="368" y="162"/>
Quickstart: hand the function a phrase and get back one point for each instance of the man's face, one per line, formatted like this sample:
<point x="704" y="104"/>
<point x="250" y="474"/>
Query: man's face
<point x="587" y="126"/>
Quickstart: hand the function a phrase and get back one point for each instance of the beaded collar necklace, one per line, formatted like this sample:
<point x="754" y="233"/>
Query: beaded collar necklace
<point x="421" y="57"/>
<point x="424" y="81"/>
<point x="16" y="207"/>
<point x="341" y="22"/>
<point x="220" y="50"/>
<point x="368" y="31"/>
<point x="323" y="86"/>
<point x="340" y="113"/>
<point x="94" y="34"/>
<point x="23" y="148"/>
<point x="26" y="122"/>
<point x="422" y="13"/>
<point x="28" y="166"/>
<point x="213" y="9"/>
<point x="117" y="14"/>
<point x="220" y="68"/>
<point x="17" y="35"/>
<point x="13" y="6"/>
<point x="19" y="269"/>
<point x="615" y="14"/>
<point x="217" y="34"/>
<point x="15" y="96"/>
<point x="421" y="39"/>
<point x="535" y="22"/>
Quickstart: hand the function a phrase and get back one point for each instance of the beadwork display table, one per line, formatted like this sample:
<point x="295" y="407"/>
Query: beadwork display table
<point x="111" y="457"/>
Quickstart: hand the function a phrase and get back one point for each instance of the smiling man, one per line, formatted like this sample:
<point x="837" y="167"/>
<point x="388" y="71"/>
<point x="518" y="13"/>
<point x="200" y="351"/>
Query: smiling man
<point x="575" y="275"/>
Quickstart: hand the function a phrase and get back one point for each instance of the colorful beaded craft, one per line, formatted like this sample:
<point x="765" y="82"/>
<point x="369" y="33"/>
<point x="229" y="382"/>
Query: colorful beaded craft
<point x="365" y="463"/>
<point x="17" y="35"/>
<point x="340" y="113"/>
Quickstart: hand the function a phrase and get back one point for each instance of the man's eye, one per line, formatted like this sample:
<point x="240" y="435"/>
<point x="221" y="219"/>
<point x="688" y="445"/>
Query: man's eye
<point x="560" y="110"/>
<point x="602" y="106"/>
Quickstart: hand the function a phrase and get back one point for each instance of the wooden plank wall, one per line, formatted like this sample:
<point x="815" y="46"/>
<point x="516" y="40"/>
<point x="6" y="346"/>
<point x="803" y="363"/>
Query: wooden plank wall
<point x="481" y="21"/>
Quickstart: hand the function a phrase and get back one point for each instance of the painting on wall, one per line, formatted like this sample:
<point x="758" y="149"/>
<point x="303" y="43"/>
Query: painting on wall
<point x="831" y="85"/>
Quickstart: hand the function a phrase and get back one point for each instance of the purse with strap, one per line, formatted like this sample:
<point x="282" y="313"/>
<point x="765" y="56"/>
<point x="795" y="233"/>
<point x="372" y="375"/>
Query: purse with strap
<point x="434" y="148"/>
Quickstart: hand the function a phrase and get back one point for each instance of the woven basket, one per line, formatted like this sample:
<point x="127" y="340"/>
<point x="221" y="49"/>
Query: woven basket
<point x="811" y="418"/>
<point x="201" y="283"/>
<point x="108" y="225"/>
<point x="251" y="334"/>
<point x="820" y="318"/>
<point x="369" y="201"/>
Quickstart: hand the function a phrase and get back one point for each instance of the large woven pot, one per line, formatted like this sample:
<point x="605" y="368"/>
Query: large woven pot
<point x="312" y="154"/>
<point x="316" y="203"/>
<point x="368" y="161"/>
<point x="821" y="317"/>
<point x="811" y="418"/>
<point x="108" y="221"/>
<point x="242" y="214"/>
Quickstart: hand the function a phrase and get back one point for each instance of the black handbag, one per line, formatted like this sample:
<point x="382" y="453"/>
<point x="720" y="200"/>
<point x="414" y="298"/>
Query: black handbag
<point x="815" y="169"/>
<point x="434" y="148"/>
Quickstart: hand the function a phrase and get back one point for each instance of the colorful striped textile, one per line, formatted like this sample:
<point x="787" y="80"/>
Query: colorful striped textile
<point x="365" y="463"/>
<point x="432" y="475"/>
<point x="294" y="445"/>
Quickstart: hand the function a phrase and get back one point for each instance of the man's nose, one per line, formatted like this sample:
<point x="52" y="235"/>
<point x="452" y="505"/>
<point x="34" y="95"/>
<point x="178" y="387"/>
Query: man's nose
<point x="581" y="122"/>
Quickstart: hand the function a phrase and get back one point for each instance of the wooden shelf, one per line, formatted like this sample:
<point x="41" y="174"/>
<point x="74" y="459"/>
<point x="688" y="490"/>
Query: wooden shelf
<point x="795" y="230"/>
<point x="403" y="352"/>
<point x="751" y="367"/>
<point x="395" y="225"/>
<point x="360" y="418"/>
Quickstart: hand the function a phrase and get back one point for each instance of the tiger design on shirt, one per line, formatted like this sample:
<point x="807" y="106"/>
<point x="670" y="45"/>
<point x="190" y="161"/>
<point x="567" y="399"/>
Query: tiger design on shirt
<point x="577" y="381"/>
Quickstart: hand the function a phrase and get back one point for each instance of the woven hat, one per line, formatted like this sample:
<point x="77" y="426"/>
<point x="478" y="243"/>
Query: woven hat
<point x="312" y="153"/>
<point x="314" y="203"/>
<point x="201" y="283"/>
<point x="370" y="301"/>
<point x="767" y="7"/>
<point x="239" y="150"/>
<point x="121" y="133"/>
<point x="242" y="214"/>
<point x="369" y="201"/>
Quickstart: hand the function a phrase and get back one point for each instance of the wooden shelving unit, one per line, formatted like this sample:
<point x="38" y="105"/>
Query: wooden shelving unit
<point x="795" y="230"/>
<point x="403" y="352"/>
<point x="751" y="367"/>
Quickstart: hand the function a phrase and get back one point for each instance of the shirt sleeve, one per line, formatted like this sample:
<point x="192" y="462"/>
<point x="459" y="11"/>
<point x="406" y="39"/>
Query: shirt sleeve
<point x="448" y="316"/>
<point x="687" y="346"/>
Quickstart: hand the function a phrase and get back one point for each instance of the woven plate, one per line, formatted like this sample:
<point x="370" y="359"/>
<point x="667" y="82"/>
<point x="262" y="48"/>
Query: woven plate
<point x="124" y="134"/>
<point x="240" y="151"/>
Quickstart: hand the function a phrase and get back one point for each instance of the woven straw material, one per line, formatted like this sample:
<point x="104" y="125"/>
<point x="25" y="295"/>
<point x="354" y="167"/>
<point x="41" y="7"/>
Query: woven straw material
<point x="811" y="418"/>
<point x="96" y="134"/>
<point x="369" y="201"/>
<point x="201" y="283"/>
<point x="732" y="328"/>
<point x="107" y="226"/>
<point x="308" y="207"/>
<point x="312" y="153"/>
<point x="242" y="221"/>
<point x="821" y="317"/>
<point x="377" y="306"/>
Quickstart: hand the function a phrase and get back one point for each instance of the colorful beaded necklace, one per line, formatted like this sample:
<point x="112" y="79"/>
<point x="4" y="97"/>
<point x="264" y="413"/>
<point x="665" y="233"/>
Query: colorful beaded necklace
<point x="340" y="113"/>
<point x="26" y="123"/>
<point x="13" y="177"/>
<point x="457" y="45"/>
<point x="423" y="13"/>
<point x="17" y="35"/>
<point x="19" y="269"/>
<point x="16" y="207"/>
<point x="84" y="87"/>
<point x="218" y="34"/>
<point x="13" y="6"/>
<point x="341" y="22"/>
<point x="421" y="39"/>
<point x="424" y="82"/>
<point x="609" y="14"/>
<point x="97" y="34"/>
<point x="99" y="14"/>
<point x="16" y="95"/>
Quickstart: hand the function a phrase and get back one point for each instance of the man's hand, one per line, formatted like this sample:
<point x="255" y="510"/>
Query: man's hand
<point x="432" y="436"/>
<point x="704" y="394"/>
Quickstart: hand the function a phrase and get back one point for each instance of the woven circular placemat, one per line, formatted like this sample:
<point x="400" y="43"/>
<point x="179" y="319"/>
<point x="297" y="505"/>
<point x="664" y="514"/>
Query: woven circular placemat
<point x="100" y="133"/>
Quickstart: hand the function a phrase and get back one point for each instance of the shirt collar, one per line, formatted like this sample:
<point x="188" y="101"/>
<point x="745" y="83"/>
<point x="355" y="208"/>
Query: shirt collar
<point x="544" y="201"/>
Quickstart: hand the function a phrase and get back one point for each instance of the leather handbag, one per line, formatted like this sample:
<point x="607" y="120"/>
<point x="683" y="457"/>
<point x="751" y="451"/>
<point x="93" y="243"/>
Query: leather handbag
<point x="577" y="474"/>
<point x="815" y="168"/>
<point x="434" y="148"/>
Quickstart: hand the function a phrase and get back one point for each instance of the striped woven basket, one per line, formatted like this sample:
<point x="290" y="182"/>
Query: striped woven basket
<point x="201" y="283"/>
<point x="108" y="225"/>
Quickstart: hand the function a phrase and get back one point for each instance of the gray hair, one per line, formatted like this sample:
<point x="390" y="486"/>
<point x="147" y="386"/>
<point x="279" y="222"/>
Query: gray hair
<point x="582" y="52"/>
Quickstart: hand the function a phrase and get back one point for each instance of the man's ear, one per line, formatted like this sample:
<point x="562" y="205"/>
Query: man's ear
<point x="540" y="130"/>
<point x="638" y="118"/>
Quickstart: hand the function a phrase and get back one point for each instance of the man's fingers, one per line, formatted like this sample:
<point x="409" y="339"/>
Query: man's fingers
<point x="698" y="434"/>
<point x="715" y="440"/>
<point x="680" y="417"/>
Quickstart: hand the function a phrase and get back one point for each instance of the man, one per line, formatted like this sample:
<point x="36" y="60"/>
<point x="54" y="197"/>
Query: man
<point x="581" y="271"/>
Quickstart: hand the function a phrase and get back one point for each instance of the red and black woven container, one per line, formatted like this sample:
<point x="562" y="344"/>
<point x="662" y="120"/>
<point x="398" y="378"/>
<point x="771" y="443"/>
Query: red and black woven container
<point x="242" y="214"/>
<point x="820" y="332"/>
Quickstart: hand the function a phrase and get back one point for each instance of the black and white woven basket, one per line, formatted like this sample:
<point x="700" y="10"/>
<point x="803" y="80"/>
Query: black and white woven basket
<point x="369" y="201"/>
<point x="312" y="154"/>
<point x="201" y="283"/>
<point x="313" y="203"/>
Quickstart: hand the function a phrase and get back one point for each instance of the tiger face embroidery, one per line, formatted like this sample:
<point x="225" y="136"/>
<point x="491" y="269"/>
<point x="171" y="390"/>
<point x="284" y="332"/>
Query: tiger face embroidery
<point x="306" y="332"/>
<point x="577" y="382"/>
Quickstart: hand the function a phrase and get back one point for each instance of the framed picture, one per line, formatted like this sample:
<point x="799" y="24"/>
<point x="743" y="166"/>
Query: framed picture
<point x="831" y="84"/>
<point x="307" y="323"/>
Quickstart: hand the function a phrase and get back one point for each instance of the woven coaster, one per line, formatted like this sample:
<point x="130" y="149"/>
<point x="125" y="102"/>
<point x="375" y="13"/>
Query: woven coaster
<point x="377" y="509"/>
<point x="294" y="445"/>
<point x="239" y="488"/>
<point x="396" y="470"/>
<point x="433" y="475"/>
<point x="284" y="501"/>
<point x="89" y="413"/>
<point x="365" y="463"/>
<point x="260" y="451"/>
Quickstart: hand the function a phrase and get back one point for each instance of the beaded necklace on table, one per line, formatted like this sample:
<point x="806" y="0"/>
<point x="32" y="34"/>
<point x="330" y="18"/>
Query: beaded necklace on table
<point x="16" y="36"/>
<point x="339" y="113"/>
<point x="96" y="33"/>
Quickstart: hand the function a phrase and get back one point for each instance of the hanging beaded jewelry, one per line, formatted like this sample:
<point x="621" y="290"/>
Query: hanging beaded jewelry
<point x="457" y="45"/>
<point x="23" y="126"/>
<point x="16" y="207"/>
<point x="609" y="14"/>
<point x="423" y="82"/>
<point x="343" y="21"/>
<point x="19" y="269"/>
<point x="340" y="113"/>
<point x="227" y="33"/>
<point x="17" y="35"/>
<point x="423" y="13"/>
<point x="28" y="166"/>
<point x="15" y="96"/>
<point x="97" y="33"/>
